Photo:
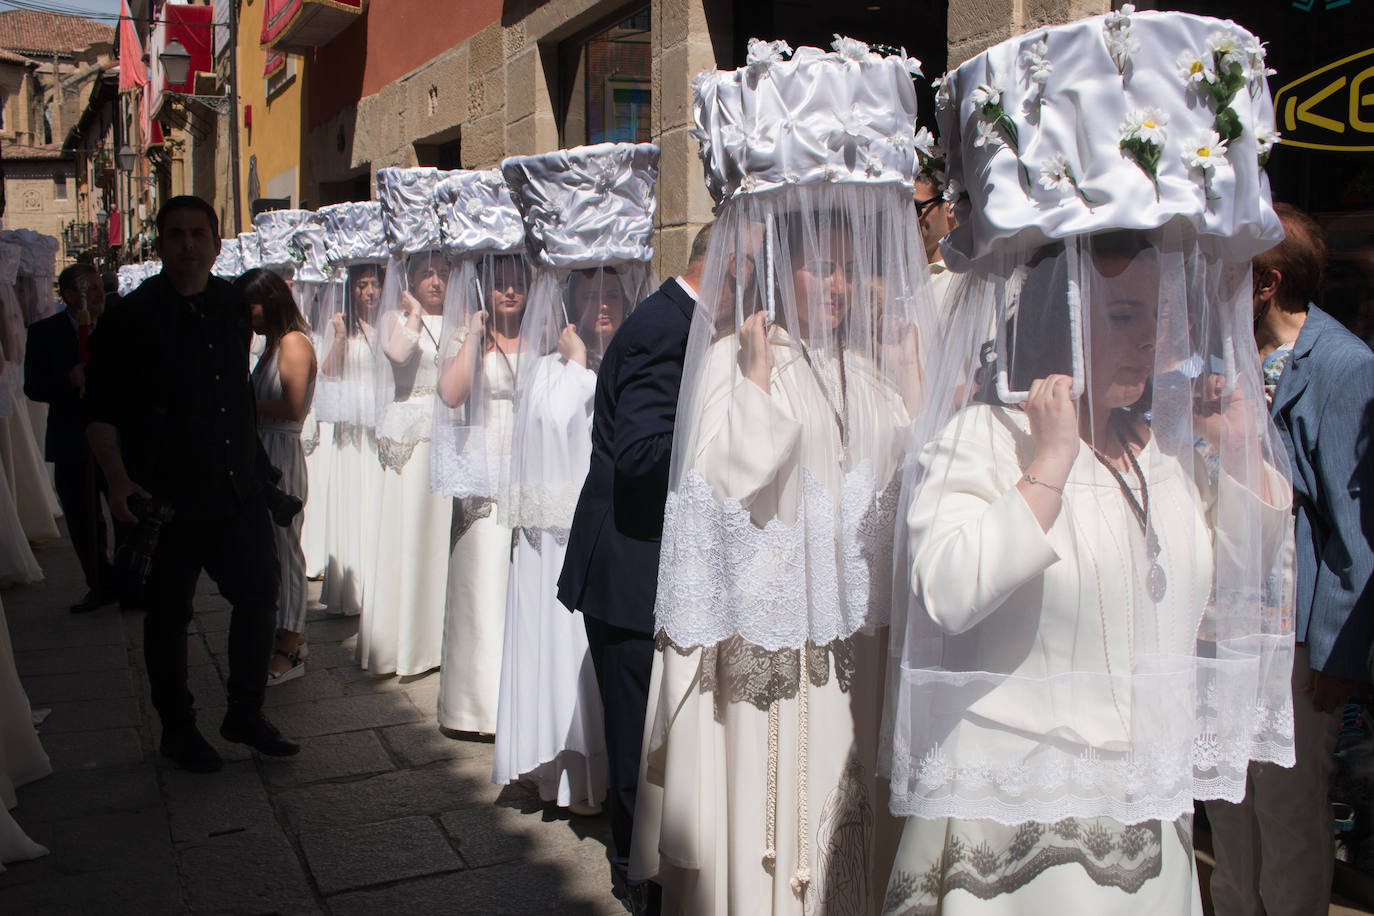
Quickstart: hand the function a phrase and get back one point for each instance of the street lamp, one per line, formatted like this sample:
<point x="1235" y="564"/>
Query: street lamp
<point x="176" y="60"/>
<point x="126" y="158"/>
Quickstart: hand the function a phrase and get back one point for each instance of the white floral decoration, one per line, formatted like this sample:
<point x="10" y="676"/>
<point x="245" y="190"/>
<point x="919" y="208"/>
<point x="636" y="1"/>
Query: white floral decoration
<point x="790" y="176"/>
<point x="492" y="179"/>
<point x="1195" y="69"/>
<point x="954" y="190"/>
<point x="924" y="141"/>
<point x="984" y="95"/>
<point x="1225" y="43"/>
<point x="1265" y="138"/>
<point x="1204" y="151"/>
<point x="1146" y="123"/>
<point x="474" y="206"/>
<point x="874" y="167"/>
<point x="941" y="86"/>
<point x="987" y="135"/>
<point x="1036" y="60"/>
<point x="763" y="54"/>
<point x="512" y="234"/>
<point x="1056" y="174"/>
<point x="912" y="65"/>
<point x="1258" y="70"/>
<point x="851" y="49"/>
<point x="1117" y="35"/>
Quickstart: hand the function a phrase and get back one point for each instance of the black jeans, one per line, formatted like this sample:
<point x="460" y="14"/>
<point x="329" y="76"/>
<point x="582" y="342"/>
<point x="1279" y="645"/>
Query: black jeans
<point x="239" y="553"/>
<point x="623" y="659"/>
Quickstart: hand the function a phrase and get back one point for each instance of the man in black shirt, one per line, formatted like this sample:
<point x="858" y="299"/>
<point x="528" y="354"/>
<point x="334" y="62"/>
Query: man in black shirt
<point x="171" y="416"/>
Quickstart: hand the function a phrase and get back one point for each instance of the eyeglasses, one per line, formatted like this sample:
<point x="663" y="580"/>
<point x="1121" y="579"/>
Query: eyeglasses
<point x="923" y="206"/>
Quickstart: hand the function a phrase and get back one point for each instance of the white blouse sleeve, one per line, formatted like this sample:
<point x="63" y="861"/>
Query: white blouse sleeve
<point x="973" y="538"/>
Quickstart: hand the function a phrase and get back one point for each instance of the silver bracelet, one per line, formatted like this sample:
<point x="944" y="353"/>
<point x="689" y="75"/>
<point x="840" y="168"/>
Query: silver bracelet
<point x="1032" y="479"/>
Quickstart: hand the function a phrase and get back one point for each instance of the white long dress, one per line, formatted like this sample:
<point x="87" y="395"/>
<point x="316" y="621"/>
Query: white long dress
<point x="281" y="439"/>
<point x="22" y="758"/>
<point x="475" y="601"/>
<point x="317" y="440"/>
<point x="402" y="624"/>
<point x="352" y="501"/>
<point x="706" y="801"/>
<point x="1092" y="865"/>
<point x="18" y="566"/>
<point x="26" y="474"/>
<point x="549" y="726"/>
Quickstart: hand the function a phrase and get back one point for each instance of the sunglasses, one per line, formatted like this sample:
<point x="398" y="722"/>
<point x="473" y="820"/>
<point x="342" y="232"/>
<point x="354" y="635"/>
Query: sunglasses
<point x="923" y="206"/>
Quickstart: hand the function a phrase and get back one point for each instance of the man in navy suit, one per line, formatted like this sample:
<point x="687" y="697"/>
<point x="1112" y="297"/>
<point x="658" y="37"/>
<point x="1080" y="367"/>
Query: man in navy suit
<point x="1273" y="850"/>
<point x="610" y="573"/>
<point x="55" y="373"/>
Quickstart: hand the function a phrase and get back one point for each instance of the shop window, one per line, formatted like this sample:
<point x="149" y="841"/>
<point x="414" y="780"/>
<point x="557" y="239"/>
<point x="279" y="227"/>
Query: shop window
<point x="604" y="80"/>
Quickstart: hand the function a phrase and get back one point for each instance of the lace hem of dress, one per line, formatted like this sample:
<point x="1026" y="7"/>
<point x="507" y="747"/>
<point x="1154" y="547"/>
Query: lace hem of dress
<point x="462" y="475"/>
<point x="393" y="454"/>
<point x="466" y="513"/>
<point x="736" y="671"/>
<point x="823" y="578"/>
<point x="994" y="862"/>
<point x="1158" y="781"/>
<point x="548" y="506"/>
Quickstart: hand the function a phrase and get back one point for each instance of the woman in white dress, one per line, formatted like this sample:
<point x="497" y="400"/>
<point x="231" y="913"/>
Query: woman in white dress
<point x="22" y="758"/>
<point x="21" y="456"/>
<point x="284" y="382"/>
<point x="549" y="728"/>
<point x="346" y="400"/>
<point x="1091" y="640"/>
<point x="401" y="629"/>
<point x="759" y="792"/>
<point x="487" y="353"/>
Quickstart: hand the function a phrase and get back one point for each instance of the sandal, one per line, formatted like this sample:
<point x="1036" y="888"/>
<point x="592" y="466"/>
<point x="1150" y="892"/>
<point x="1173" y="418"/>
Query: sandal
<point x="296" y="670"/>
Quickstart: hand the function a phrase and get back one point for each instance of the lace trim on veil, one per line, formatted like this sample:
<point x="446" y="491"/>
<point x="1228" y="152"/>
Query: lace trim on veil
<point x="823" y="578"/>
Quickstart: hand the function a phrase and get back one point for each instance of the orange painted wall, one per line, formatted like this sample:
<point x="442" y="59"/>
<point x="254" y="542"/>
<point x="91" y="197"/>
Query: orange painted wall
<point x="390" y="40"/>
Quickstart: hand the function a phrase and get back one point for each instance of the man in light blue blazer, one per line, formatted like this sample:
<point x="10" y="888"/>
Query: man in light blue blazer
<point x="1274" y="850"/>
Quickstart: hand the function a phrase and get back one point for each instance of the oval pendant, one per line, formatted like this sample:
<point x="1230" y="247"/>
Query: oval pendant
<point x="1156" y="583"/>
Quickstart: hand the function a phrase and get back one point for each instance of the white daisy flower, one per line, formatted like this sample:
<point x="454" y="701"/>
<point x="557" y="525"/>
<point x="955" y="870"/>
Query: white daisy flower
<point x="1205" y="151"/>
<point x="987" y="134"/>
<point x="1037" y="62"/>
<point x="851" y="49"/>
<point x="1146" y="123"/>
<point x="1120" y="47"/>
<point x="1224" y="42"/>
<point x="953" y="190"/>
<point x="1265" y="138"/>
<point x="1194" y="68"/>
<point x="941" y="86"/>
<point x="924" y="141"/>
<point x="985" y="95"/>
<point x="1056" y="174"/>
<point x="763" y="53"/>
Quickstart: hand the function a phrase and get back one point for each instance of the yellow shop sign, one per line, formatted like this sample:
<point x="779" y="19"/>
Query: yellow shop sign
<point x="1330" y="108"/>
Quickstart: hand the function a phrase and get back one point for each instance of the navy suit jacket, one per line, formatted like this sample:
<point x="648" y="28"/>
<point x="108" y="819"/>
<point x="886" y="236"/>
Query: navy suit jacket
<point x="1324" y="407"/>
<point x="49" y="356"/>
<point x="610" y="571"/>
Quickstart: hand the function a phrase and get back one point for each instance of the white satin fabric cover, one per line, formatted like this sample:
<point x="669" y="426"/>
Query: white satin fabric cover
<point x="275" y="230"/>
<point x="476" y="214"/>
<point x="250" y="251"/>
<point x="587" y="207"/>
<point x="354" y="232"/>
<point x="846" y="115"/>
<point x="1077" y="113"/>
<point x="408" y="211"/>
<point x="309" y="244"/>
<point x="226" y="263"/>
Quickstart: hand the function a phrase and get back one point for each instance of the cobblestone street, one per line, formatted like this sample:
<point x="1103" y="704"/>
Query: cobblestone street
<point x="380" y="812"/>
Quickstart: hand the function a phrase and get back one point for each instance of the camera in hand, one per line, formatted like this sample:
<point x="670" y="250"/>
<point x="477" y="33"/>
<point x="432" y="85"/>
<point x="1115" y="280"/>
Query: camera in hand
<point x="135" y="556"/>
<point x="282" y="506"/>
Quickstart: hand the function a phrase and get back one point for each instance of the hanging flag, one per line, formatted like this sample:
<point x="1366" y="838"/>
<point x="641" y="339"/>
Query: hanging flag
<point x="132" y="75"/>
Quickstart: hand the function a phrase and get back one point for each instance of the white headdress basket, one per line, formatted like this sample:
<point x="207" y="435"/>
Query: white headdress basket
<point x="276" y="229"/>
<point x="476" y="214"/>
<point x="587" y="207"/>
<point x="354" y="232"/>
<point x="408" y="211"/>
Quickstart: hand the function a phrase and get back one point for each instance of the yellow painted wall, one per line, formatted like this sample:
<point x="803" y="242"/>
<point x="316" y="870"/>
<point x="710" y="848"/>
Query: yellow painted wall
<point x="275" y="136"/>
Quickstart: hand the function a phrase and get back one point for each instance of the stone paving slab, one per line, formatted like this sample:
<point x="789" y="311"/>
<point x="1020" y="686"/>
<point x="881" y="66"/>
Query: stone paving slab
<point x="108" y="747"/>
<point x="71" y="660"/>
<point x="381" y="812"/>
<point x="332" y="757"/>
<point x="345" y="858"/>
